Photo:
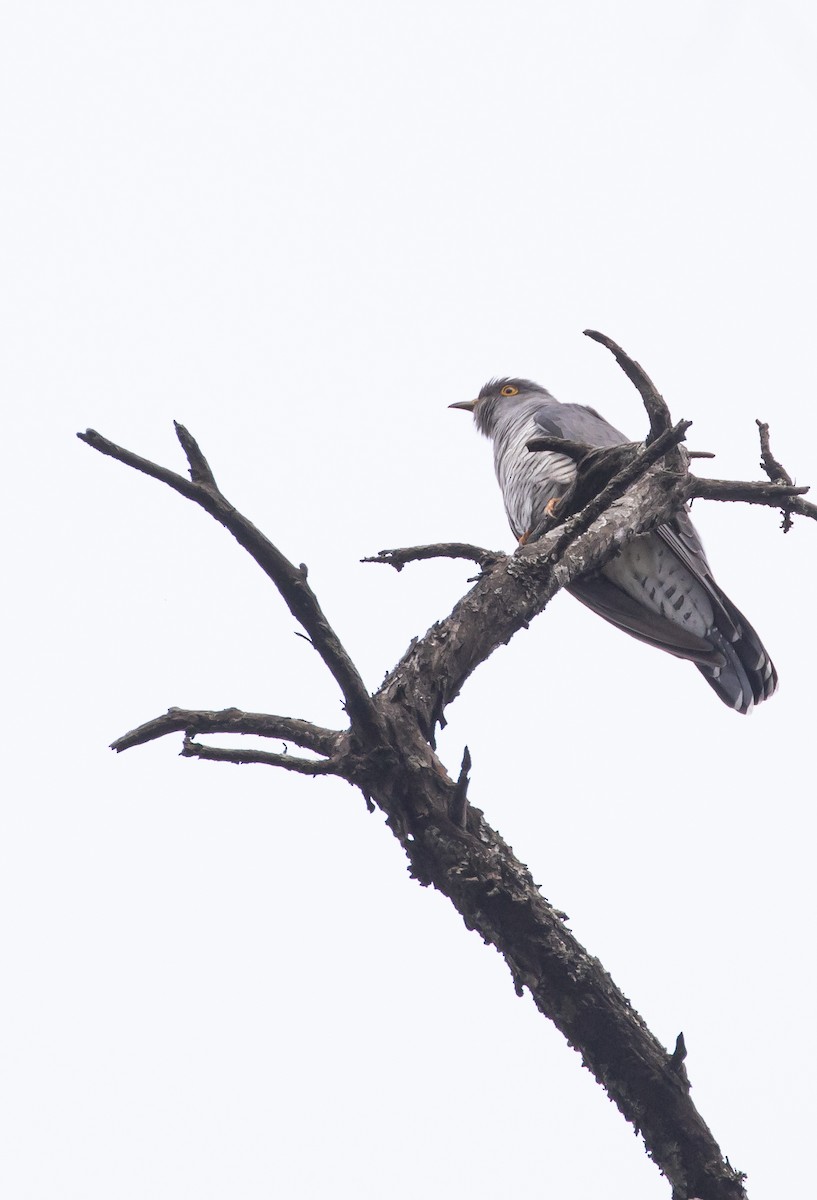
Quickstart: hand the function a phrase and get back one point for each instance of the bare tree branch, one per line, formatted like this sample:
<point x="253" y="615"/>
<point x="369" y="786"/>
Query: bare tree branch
<point x="184" y="487"/>
<point x="655" y="404"/>
<point x="781" y="492"/>
<point x="737" y="491"/>
<point x="232" y="720"/>
<point x="575" y="450"/>
<point x="303" y="766"/>
<point x="289" y="579"/>
<point x="389" y="753"/>
<point x="496" y="896"/>
<point x="490" y="888"/>
<point x="200" y="472"/>
<point x="398" y="558"/>
<point x="775" y="470"/>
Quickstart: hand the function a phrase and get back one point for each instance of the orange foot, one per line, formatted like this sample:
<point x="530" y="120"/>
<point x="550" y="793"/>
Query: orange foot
<point x="524" y="537"/>
<point x="552" y="505"/>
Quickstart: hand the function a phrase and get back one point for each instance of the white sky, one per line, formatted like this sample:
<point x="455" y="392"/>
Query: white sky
<point x="304" y="230"/>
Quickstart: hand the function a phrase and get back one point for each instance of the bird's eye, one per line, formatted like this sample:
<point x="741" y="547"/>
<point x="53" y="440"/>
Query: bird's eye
<point x="509" y="390"/>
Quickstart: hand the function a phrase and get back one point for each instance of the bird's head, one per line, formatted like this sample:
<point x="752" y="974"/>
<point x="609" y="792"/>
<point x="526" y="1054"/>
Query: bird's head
<point x="498" y="398"/>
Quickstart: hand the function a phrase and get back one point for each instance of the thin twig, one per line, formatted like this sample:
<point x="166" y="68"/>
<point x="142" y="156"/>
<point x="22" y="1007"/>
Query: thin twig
<point x="399" y="557"/>
<point x="231" y="720"/>
<point x="178" y="482"/>
<point x="737" y="491"/>
<point x="302" y="766"/>
<point x="774" y="469"/>
<point x="575" y="450"/>
<point x="654" y="402"/>
<point x="200" y="471"/>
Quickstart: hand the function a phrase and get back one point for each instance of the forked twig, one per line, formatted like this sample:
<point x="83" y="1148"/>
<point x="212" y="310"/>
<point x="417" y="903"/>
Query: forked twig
<point x="288" y="579"/>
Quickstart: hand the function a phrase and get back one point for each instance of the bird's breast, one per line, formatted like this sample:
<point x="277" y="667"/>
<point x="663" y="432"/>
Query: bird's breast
<point x="528" y="480"/>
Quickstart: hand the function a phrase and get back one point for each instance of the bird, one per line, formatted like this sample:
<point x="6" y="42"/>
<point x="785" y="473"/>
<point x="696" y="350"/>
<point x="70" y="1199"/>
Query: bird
<point x="659" y="588"/>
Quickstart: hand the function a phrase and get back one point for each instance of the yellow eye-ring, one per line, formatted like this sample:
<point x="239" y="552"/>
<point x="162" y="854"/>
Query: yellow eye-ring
<point x="509" y="390"/>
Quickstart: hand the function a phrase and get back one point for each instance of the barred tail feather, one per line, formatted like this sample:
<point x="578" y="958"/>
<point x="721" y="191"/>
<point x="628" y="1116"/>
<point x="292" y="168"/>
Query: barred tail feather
<point x="748" y="675"/>
<point x="731" y="658"/>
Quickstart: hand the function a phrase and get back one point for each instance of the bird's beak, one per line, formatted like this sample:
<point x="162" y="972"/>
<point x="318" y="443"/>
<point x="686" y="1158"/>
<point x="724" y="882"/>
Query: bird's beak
<point x="465" y="405"/>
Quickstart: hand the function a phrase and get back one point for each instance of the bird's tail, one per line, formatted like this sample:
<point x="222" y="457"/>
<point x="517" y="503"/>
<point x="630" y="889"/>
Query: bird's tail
<point x="731" y="657"/>
<point x="747" y="675"/>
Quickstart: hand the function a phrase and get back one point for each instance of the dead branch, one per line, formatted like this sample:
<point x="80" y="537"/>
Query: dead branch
<point x="780" y="492"/>
<point x="232" y="720"/>
<point x="288" y="579"/>
<point x="736" y="491"/>
<point x="775" y="470"/>
<point x="778" y="474"/>
<point x="578" y="451"/>
<point x="388" y="753"/>
<point x="655" y="404"/>
<point x="398" y="558"/>
<point x="303" y="766"/>
<point x="200" y="471"/>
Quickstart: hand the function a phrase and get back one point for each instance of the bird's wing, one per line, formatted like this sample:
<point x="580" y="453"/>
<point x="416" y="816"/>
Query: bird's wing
<point x="577" y="423"/>
<point x="610" y="601"/>
<point x="660" y="588"/>
<point x="649" y="592"/>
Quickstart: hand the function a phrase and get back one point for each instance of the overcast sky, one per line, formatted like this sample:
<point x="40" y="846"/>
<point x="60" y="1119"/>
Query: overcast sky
<point x="304" y="229"/>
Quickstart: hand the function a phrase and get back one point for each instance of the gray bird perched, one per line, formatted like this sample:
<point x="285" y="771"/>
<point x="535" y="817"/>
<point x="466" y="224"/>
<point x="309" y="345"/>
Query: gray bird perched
<point x="659" y="588"/>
